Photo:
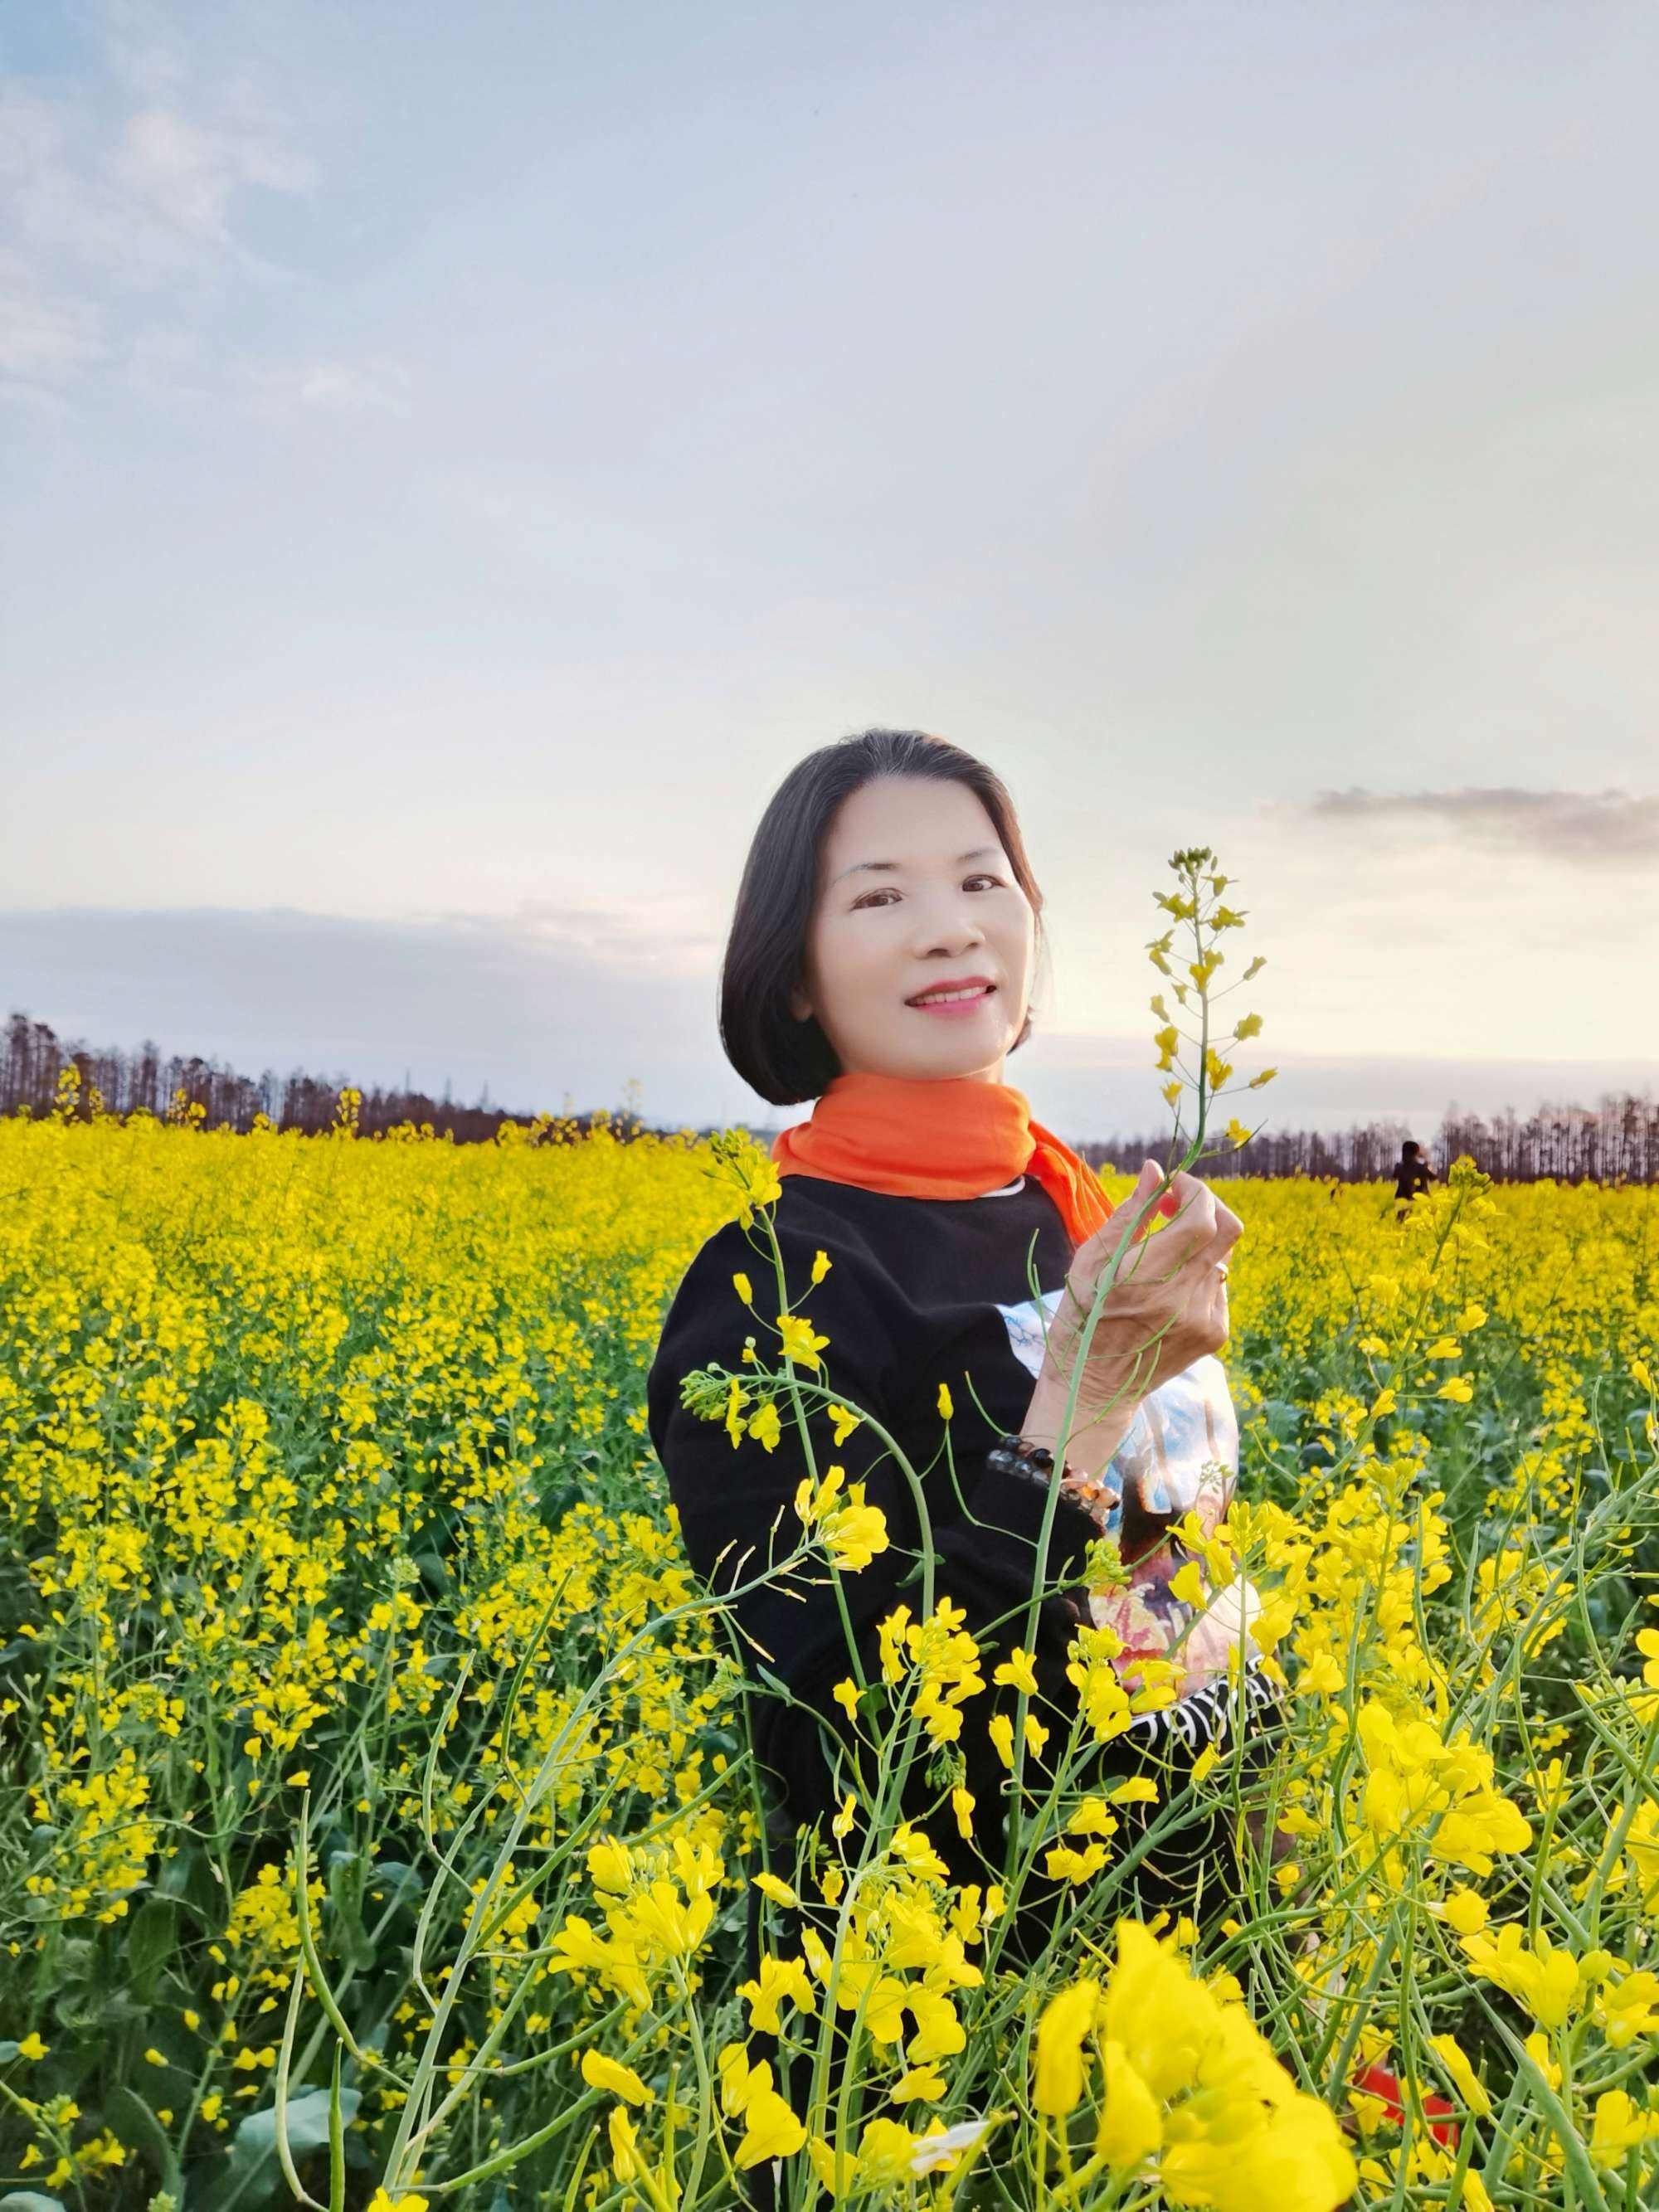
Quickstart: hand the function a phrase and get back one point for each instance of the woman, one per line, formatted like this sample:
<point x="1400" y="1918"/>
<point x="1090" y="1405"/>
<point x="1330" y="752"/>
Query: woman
<point x="881" y="962"/>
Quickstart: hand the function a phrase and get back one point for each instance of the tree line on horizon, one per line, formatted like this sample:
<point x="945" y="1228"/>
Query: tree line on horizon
<point x="1617" y="1140"/>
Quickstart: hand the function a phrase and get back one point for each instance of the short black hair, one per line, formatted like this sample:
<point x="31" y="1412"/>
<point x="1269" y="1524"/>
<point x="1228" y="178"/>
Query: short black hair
<point x="786" y="1059"/>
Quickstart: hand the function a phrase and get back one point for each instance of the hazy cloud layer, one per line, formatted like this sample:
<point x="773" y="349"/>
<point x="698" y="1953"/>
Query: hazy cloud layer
<point x="568" y="1010"/>
<point x="555" y="1007"/>
<point x="1590" y="828"/>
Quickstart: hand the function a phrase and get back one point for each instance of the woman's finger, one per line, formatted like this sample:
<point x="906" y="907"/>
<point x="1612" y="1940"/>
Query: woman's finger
<point x="1193" y="1228"/>
<point x="1227" y="1234"/>
<point x="1203" y="1266"/>
<point x="1115" y="1233"/>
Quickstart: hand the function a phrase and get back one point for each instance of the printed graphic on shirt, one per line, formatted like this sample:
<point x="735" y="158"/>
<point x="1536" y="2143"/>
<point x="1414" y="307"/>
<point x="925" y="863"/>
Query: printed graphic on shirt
<point x="1179" y="1455"/>
<point x="1186" y="1426"/>
<point x="1185" y="1429"/>
<point x="1026" y="1323"/>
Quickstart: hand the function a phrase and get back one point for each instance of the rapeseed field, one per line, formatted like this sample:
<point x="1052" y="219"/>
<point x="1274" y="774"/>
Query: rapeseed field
<point x="379" y="1829"/>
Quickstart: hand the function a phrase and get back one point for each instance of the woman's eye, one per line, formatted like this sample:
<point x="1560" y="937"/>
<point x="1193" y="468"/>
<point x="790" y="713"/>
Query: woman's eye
<point x="887" y="891"/>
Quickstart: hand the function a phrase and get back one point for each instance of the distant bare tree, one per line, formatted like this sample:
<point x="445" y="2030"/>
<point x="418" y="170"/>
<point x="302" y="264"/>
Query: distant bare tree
<point x="1617" y="1141"/>
<point x="144" y="1082"/>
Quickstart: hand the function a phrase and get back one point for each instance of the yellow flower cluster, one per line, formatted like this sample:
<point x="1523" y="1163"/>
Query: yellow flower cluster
<point x="1183" y="2085"/>
<point x="328" y="1496"/>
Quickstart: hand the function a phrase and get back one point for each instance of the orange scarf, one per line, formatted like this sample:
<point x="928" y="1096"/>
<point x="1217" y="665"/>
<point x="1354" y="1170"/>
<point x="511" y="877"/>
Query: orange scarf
<point x="955" y="1137"/>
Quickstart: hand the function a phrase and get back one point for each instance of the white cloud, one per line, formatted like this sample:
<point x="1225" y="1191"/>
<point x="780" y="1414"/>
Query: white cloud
<point x="1588" y="829"/>
<point x="571" y="1002"/>
<point x="375" y="385"/>
<point x="143" y="47"/>
<point x="172" y="173"/>
<point x="45" y="339"/>
<point x="131" y="186"/>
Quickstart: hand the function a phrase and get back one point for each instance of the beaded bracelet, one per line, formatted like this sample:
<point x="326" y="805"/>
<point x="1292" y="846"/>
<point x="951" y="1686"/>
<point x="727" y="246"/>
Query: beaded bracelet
<point x="1013" y="1455"/>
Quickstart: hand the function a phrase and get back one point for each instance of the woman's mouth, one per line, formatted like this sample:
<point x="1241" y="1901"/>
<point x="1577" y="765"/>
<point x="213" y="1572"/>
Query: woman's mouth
<point x="953" y="1002"/>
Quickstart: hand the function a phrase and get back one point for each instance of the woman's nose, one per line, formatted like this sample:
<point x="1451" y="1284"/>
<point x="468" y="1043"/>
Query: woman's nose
<point x="952" y="931"/>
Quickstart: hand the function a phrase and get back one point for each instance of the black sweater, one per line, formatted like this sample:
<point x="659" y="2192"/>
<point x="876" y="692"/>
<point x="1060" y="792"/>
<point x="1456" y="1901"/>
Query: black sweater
<point x="920" y="1291"/>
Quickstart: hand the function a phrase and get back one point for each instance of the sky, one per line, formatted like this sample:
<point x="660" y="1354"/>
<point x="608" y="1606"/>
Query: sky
<point x="454" y="461"/>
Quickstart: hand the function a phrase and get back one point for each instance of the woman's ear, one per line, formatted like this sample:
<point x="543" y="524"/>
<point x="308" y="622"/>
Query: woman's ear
<point x="799" y="1005"/>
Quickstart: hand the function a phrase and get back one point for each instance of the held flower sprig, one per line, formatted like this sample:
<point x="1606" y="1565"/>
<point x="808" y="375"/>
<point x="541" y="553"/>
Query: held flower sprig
<point x="1198" y="905"/>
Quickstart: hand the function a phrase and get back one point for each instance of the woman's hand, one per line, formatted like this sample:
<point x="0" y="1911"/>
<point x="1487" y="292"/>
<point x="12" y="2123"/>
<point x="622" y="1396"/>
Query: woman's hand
<point x="1167" y="1308"/>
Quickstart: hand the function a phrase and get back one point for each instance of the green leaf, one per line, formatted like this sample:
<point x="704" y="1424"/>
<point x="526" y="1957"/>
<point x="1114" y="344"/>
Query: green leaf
<point x="389" y="1881"/>
<point x="435" y="1572"/>
<point x="133" y="2122"/>
<point x="77" y="1961"/>
<point x="251" y="2173"/>
<point x="348" y="1876"/>
<point x="191" y="1876"/>
<point x="151" y="1937"/>
<point x="1282" y="1419"/>
<point x="29" y="2200"/>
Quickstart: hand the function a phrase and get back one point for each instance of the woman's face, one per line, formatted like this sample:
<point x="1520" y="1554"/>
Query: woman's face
<point x="915" y="894"/>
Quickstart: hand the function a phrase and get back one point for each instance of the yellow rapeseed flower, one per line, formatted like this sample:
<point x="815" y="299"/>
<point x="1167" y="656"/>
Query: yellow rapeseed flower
<point x="1066" y="2022"/>
<point x="601" y="2072"/>
<point x="800" y="1342"/>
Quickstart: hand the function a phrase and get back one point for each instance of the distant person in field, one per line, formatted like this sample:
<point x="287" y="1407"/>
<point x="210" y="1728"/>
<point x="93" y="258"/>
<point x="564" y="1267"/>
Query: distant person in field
<point x="1411" y="1175"/>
